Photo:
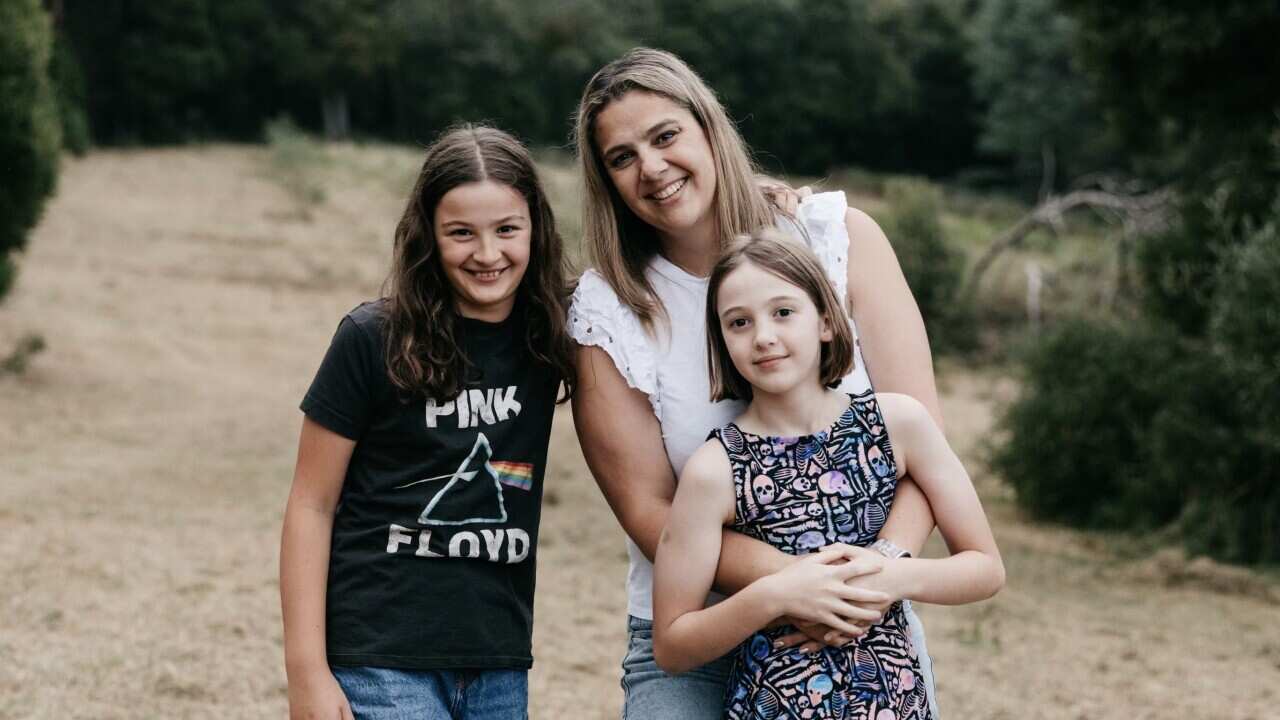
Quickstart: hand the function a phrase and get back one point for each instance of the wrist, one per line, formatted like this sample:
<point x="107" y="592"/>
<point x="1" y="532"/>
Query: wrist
<point x="903" y="580"/>
<point x="764" y="594"/>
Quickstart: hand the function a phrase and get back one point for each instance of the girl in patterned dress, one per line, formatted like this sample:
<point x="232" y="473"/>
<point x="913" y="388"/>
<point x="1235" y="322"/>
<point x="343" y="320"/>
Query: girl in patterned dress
<point x="811" y="471"/>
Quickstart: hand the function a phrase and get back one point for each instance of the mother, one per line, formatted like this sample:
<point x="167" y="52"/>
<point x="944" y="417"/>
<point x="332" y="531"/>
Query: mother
<point x="668" y="181"/>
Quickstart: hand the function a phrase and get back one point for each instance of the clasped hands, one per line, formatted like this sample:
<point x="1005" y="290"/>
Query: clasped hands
<point x="832" y="596"/>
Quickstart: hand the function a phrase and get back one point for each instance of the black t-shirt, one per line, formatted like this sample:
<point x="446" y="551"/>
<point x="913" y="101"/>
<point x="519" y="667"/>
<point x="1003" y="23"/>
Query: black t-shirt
<point x="434" y="541"/>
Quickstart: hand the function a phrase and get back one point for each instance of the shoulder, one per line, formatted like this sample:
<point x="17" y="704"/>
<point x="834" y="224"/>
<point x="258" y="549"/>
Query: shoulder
<point x="709" y="463"/>
<point x="369" y="317"/>
<point x="597" y="317"/>
<point x="907" y="421"/>
<point x="707" y="479"/>
<point x="861" y="225"/>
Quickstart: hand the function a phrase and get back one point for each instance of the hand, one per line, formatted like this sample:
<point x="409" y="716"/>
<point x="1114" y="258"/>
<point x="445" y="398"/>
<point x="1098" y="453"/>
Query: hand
<point x="887" y="581"/>
<point x="786" y="198"/>
<point x="813" y="589"/>
<point x="316" y="695"/>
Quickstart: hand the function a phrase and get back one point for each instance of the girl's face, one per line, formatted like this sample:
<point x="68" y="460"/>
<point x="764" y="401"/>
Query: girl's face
<point x="484" y="232"/>
<point x="658" y="158"/>
<point x="772" y="330"/>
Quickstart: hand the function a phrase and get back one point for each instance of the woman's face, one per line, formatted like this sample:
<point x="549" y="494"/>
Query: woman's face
<point x="657" y="156"/>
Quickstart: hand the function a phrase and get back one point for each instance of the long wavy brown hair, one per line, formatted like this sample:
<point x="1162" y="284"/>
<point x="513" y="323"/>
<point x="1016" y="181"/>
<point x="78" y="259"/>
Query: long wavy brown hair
<point x="424" y="355"/>
<point x="621" y="244"/>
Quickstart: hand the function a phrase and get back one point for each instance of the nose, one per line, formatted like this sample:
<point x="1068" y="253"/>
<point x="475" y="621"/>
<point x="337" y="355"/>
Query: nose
<point x="652" y="164"/>
<point x="487" y="252"/>
<point x="764" y="335"/>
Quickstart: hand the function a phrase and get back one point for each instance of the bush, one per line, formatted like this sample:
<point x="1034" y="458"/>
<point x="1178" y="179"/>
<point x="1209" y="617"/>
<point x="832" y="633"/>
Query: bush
<point x="1234" y="513"/>
<point x="933" y="268"/>
<point x="29" y="127"/>
<point x="1141" y="427"/>
<point x="1077" y="431"/>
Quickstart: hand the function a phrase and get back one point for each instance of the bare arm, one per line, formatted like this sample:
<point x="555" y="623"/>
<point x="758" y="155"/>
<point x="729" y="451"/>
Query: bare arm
<point x="622" y="443"/>
<point x="304" y="565"/>
<point x="685" y="634"/>
<point x="974" y="571"/>
<point x="896" y="350"/>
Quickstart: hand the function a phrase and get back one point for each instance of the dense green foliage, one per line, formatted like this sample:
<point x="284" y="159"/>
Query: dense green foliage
<point x="1040" y="109"/>
<point x="815" y="85"/>
<point x="1176" y="418"/>
<point x="29" y="126"/>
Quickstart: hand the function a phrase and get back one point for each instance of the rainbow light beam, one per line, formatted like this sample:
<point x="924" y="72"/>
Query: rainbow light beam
<point x="514" y="474"/>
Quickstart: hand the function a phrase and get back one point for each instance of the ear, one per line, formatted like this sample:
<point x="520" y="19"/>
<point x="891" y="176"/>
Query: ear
<point x="827" y="334"/>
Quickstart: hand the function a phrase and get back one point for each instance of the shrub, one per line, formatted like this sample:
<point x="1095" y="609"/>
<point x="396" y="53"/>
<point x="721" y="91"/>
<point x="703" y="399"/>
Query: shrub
<point x="29" y="128"/>
<point x="933" y="268"/>
<point x="1076" y="432"/>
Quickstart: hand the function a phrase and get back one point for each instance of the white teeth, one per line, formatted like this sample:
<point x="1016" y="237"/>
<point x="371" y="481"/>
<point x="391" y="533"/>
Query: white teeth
<point x="670" y="190"/>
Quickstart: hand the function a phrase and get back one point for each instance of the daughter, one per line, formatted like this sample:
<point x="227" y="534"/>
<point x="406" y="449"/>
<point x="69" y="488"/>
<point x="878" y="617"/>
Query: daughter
<point x="408" y="553"/>
<point x="806" y="467"/>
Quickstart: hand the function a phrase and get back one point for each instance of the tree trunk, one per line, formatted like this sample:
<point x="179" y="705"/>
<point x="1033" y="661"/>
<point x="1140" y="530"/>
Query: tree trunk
<point x="336" y="113"/>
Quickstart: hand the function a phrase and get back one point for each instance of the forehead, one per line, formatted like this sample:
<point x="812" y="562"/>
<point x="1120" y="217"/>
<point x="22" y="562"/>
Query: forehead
<point x="627" y="119"/>
<point x="750" y="285"/>
<point x="478" y="201"/>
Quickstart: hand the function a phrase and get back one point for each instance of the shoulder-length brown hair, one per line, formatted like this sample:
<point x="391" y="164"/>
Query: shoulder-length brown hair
<point x="773" y="252"/>
<point x="424" y="355"/>
<point x="621" y="245"/>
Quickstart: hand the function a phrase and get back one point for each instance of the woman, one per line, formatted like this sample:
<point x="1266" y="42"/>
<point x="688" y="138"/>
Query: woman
<point x="668" y="182"/>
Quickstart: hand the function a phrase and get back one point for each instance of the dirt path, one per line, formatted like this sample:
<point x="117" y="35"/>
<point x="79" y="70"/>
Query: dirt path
<point x="147" y="455"/>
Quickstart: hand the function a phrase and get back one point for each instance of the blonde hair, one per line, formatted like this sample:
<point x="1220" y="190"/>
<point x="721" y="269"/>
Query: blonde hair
<point x="621" y="245"/>
<point x="795" y="263"/>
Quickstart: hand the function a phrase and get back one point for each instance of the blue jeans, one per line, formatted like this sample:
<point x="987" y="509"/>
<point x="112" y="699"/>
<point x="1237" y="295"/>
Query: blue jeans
<point x="389" y="694"/>
<point x="651" y="694"/>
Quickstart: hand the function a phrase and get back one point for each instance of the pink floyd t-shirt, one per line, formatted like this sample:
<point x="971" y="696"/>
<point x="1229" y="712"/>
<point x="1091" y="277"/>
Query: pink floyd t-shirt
<point x="432" y="558"/>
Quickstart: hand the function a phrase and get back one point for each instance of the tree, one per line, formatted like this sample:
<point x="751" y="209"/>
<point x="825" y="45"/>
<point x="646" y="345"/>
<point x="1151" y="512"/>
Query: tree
<point x="29" y="126"/>
<point x="1041" y="110"/>
<point x="330" y="47"/>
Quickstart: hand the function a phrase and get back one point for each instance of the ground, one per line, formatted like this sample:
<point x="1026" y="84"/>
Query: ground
<point x="186" y="297"/>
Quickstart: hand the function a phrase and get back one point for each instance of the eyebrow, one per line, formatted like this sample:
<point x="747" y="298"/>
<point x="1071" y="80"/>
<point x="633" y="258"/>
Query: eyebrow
<point x="770" y="301"/>
<point x="464" y="223"/>
<point x="657" y="127"/>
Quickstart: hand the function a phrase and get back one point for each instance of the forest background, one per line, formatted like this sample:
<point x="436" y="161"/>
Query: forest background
<point x="1083" y="195"/>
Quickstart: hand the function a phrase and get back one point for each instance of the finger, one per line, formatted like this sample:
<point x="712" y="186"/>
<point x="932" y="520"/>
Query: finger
<point x="809" y="648"/>
<point x="826" y="555"/>
<point x="855" y="614"/>
<point x="835" y="639"/>
<point x="863" y="597"/>
<point x="838" y="623"/>
<point x="858" y="568"/>
<point x="804" y="191"/>
<point x="790" y="640"/>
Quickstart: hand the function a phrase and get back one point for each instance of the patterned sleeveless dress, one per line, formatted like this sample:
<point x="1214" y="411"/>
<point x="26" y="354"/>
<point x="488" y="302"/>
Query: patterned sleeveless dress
<point x="799" y="494"/>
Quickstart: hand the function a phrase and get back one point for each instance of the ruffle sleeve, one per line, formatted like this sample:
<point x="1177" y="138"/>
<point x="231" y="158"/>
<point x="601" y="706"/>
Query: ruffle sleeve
<point x="822" y="216"/>
<point x="597" y="317"/>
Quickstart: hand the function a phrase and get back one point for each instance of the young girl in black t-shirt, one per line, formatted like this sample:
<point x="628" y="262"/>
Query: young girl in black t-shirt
<point x="408" y="552"/>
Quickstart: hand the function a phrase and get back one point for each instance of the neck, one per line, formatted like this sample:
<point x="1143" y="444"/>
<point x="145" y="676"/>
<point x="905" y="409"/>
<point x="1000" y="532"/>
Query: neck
<point x="801" y="410"/>
<point x="694" y="250"/>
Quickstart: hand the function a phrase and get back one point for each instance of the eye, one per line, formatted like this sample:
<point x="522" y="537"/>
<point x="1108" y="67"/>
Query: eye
<point x="666" y="137"/>
<point x="737" y="323"/>
<point x="460" y="233"/>
<point x="508" y="229"/>
<point x="620" y="160"/>
<point x="784" y="312"/>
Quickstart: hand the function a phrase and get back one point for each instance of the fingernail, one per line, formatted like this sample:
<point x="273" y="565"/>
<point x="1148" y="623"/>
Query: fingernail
<point x="777" y="644"/>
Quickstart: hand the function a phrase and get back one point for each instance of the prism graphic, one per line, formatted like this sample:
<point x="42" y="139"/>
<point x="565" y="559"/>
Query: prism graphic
<point x="472" y="495"/>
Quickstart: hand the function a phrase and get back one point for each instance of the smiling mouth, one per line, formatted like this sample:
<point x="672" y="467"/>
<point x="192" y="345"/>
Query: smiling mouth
<point x="669" y="191"/>
<point x="487" y="275"/>
<point x="770" y="361"/>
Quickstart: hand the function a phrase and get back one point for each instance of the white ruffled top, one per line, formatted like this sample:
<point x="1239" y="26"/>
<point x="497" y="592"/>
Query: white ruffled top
<point x="670" y="367"/>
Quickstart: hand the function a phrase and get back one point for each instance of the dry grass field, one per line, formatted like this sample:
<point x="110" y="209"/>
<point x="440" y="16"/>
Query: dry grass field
<point x="186" y="297"/>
